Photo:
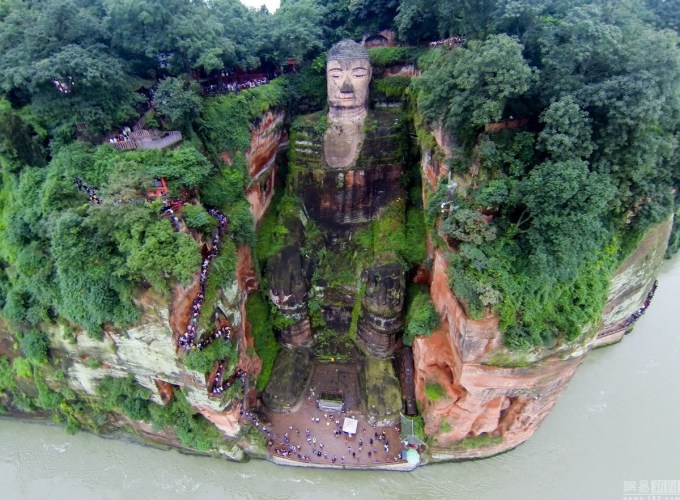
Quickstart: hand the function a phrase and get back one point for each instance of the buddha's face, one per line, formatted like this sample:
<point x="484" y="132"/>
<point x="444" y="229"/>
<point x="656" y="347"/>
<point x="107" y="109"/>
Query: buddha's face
<point x="347" y="82"/>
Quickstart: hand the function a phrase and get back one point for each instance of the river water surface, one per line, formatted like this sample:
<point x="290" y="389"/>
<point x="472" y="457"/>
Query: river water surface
<point x="614" y="427"/>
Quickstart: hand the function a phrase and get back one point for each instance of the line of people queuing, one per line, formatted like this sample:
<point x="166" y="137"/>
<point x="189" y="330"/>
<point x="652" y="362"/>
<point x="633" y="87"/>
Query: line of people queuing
<point x="186" y="340"/>
<point x="219" y="386"/>
<point x="123" y="136"/>
<point x="233" y="87"/>
<point x="91" y="192"/>
<point x="168" y="209"/>
<point x="450" y="42"/>
<point x="648" y="300"/>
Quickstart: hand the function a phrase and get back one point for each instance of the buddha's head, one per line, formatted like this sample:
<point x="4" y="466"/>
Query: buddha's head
<point x="348" y="73"/>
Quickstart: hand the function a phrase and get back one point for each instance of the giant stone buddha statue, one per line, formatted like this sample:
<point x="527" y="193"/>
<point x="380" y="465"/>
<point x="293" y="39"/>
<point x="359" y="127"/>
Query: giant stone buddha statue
<point x="346" y="166"/>
<point x="349" y="171"/>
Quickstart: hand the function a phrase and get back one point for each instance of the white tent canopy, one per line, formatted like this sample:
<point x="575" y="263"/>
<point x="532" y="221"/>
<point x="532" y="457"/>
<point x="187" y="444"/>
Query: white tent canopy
<point x="349" y="425"/>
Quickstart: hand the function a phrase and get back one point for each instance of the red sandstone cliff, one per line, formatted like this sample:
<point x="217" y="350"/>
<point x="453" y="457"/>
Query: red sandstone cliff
<point x="487" y="389"/>
<point x="266" y="138"/>
<point x="479" y="397"/>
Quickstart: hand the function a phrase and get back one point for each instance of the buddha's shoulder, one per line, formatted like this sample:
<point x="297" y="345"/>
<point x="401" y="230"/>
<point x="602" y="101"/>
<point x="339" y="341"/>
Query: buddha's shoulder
<point x="313" y="122"/>
<point x="382" y="122"/>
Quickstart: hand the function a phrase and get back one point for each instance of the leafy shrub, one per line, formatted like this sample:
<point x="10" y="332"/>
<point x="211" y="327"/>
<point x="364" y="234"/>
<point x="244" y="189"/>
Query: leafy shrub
<point x="35" y="345"/>
<point x="241" y="224"/>
<point x="421" y="316"/>
<point x="389" y="56"/>
<point x="192" y="429"/>
<point x="434" y="391"/>
<point x="204" y="360"/>
<point x="264" y="340"/>
<point x="197" y="217"/>
<point x="126" y="395"/>
<point x="7" y="382"/>
<point x="93" y="363"/>
<point x="183" y="167"/>
<point x="389" y="88"/>
<point x="47" y="398"/>
<point x="226" y="120"/>
<point x="470" y="226"/>
<point x="22" y="368"/>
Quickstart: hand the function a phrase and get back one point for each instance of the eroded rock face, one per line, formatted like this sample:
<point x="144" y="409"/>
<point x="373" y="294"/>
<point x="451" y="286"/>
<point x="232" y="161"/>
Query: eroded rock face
<point x="266" y="138"/>
<point x="382" y="317"/>
<point x="146" y="351"/>
<point x="631" y="283"/>
<point x="479" y="398"/>
<point x="487" y="395"/>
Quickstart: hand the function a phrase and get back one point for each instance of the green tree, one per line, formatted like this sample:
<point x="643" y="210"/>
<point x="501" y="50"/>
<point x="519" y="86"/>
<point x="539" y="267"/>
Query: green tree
<point x="564" y="221"/>
<point x="35" y="345"/>
<point x="470" y="87"/>
<point x="179" y="101"/>
<point x="567" y="132"/>
<point x="464" y="224"/>
<point x="296" y="30"/>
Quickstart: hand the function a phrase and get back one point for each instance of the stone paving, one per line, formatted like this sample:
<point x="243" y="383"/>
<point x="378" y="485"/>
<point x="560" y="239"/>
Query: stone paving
<point x="315" y="436"/>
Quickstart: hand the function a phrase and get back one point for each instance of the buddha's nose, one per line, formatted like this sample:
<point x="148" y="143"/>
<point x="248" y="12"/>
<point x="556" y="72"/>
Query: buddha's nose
<point x="347" y="86"/>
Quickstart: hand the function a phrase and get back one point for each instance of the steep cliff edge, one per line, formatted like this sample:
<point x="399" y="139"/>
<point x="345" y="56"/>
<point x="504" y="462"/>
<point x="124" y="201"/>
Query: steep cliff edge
<point x="479" y="399"/>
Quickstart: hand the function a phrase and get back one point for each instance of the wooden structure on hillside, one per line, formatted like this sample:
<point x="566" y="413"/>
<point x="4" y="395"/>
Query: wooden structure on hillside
<point x="143" y="139"/>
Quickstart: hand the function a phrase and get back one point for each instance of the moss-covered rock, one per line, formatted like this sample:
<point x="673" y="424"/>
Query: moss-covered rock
<point x="292" y="368"/>
<point x="380" y="392"/>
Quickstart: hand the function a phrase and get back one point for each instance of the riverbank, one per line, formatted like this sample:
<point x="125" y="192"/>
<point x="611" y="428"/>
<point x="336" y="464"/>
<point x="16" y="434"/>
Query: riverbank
<point x="611" y="425"/>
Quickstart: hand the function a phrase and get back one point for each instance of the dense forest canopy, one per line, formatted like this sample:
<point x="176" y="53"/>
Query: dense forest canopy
<point x="549" y="207"/>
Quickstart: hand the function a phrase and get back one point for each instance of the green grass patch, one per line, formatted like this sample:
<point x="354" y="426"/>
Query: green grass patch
<point x="356" y="314"/>
<point x="421" y="316"/>
<point x="203" y="360"/>
<point x="434" y="391"/>
<point x="390" y="56"/>
<point x="264" y="340"/>
<point x="481" y="441"/>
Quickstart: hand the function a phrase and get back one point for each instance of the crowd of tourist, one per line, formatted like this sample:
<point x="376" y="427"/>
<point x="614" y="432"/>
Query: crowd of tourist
<point x="233" y="87"/>
<point x="648" y="300"/>
<point x="186" y="340"/>
<point x="168" y="209"/>
<point x="123" y="136"/>
<point x="450" y="42"/>
<point x="318" y="444"/>
<point x="219" y="385"/>
<point x="91" y="193"/>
